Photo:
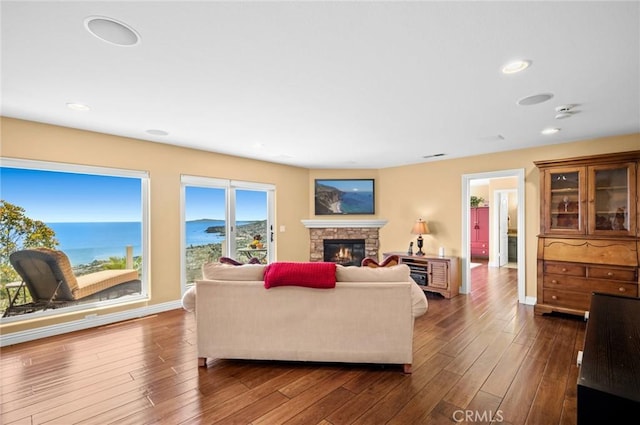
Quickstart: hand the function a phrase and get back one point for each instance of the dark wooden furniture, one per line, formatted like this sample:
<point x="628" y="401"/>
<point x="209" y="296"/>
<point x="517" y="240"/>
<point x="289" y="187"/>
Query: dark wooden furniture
<point x="513" y="248"/>
<point x="479" y="224"/>
<point x="588" y="239"/>
<point x="609" y="378"/>
<point x="432" y="273"/>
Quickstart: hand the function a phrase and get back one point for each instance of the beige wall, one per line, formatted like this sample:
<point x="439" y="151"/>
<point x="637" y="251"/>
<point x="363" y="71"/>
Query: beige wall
<point x="480" y="191"/>
<point x="165" y="164"/>
<point x="431" y="190"/>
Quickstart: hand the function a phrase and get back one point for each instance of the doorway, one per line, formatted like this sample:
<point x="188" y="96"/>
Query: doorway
<point x="224" y="218"/>
<point x="495" y="241"/>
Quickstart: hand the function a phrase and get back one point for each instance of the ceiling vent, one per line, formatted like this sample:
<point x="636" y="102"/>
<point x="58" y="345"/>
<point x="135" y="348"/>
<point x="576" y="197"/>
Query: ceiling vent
<point x="565" y="111"/>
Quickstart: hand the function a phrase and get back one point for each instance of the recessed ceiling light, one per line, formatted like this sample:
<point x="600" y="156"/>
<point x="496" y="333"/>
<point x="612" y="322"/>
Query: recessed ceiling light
<point x="112" y="31"/>
<point x="516" y="66"/>
<point x="156" y="132"/>
<point x="535" y="99"/>
<point x="550" y="130"/>
<point x="77" y="106"/>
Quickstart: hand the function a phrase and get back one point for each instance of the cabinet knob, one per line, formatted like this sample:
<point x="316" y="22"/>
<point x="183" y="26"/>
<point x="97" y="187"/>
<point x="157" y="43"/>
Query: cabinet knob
<point x="564" y="270"/>
<point x="554" y="281"/>
<point x="610" y="274"/>
<point x="553" y="297"/>
<point x="621" y="289"/>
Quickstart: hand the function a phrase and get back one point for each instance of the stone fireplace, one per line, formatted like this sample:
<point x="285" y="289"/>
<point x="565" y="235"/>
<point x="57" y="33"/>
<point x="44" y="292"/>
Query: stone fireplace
<point x="365" y="230"/>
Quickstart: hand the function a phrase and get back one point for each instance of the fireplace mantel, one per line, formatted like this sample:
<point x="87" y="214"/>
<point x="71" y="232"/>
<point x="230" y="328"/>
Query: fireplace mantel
<point x="324" y="224"/>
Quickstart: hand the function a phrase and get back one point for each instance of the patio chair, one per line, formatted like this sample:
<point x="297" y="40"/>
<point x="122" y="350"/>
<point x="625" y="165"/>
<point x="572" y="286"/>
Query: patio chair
<point x="47" y="275"/>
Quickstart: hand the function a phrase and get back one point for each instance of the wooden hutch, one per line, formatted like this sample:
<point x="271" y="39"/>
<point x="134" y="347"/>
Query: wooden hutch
<point x="588" y="239"/>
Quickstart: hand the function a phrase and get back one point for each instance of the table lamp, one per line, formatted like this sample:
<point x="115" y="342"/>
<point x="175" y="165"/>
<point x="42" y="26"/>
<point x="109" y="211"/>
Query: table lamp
<point x="420" y="228"/>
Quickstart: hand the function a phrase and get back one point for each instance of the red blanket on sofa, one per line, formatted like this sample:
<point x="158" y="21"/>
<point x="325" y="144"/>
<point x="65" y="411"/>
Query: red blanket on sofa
<point x="310" y="275"/>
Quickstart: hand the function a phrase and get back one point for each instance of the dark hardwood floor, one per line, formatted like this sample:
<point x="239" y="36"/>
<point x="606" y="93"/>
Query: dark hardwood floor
<point x="478" y="358"/>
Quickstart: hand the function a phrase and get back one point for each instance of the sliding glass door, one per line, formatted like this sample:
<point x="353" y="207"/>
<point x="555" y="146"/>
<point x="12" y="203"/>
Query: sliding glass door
<point x="225" y="218"/>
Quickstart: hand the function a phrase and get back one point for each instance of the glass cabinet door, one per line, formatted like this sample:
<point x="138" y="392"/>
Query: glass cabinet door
<point x="611" y="209"/>
<point x="564" y="200"/>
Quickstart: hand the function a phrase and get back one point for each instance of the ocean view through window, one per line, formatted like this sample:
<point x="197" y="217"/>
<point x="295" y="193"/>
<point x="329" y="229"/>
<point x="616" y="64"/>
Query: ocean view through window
<point x="224" y="218"/>
<point x="96" y="216"/>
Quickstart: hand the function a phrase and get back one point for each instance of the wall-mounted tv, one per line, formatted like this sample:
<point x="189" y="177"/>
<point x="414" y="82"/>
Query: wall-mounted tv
<point x="344" y="196"/>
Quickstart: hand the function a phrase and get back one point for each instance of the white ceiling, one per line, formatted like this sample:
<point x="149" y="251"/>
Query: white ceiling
<point x="328" y="84"/>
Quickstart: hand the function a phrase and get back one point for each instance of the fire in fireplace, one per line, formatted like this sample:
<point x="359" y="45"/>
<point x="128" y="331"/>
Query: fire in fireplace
<point x="347" y="252"/>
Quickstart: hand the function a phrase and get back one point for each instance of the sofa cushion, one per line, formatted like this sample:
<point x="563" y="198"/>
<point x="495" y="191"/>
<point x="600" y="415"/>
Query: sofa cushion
<point x="310" y="275"/>
<point x="397" y="273"/>
<point x="245" y="272"/>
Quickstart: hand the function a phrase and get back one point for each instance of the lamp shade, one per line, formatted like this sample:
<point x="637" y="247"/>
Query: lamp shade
<point x="420" y="228"/>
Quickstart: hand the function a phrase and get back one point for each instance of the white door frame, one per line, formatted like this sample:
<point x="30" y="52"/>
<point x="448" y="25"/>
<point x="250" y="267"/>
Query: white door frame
<point x="466" y="228"/>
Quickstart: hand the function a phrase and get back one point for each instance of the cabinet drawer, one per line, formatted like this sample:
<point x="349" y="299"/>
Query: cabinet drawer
<point x="628" y="275"/>
<point x="558" y="281"/>
<point x="577" y="300"/>
<point x="480" y="249"/>
<point x="615" y="288"/>
<point x="565" y="269"/>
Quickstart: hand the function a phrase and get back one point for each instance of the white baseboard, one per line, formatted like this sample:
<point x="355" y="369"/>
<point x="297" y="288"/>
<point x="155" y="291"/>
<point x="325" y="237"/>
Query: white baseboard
<point x="86" y="323"/>
<point x="530" y="300"/>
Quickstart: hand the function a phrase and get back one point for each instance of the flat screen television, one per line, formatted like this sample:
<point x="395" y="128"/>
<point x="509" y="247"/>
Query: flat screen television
<point x="344" y="196"/>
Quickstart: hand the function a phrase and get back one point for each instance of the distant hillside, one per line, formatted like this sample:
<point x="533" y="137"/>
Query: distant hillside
<point x="244" y="232"/>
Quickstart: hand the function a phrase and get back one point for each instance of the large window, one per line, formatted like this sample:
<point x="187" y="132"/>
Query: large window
<point x="96" y="216"/>
<point x="225" y="218"/>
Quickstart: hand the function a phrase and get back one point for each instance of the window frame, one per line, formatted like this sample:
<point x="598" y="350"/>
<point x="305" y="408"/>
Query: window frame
<point x="229" y="186"/>
<point x="29" y="164"/>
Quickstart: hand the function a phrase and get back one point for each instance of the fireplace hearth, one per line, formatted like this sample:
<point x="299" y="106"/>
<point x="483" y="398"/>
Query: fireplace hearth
<point x="346" y="252"/>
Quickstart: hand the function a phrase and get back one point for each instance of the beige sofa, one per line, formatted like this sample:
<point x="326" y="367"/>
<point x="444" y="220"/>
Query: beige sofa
<point x="366" y="318"/>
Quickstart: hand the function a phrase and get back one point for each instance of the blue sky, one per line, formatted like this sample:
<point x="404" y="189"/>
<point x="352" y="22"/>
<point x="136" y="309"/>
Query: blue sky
<point x="209" y="203"/>
<point x="349" y="185"/>
<point x="57" y="197"/>
<point x="54" y="197"/>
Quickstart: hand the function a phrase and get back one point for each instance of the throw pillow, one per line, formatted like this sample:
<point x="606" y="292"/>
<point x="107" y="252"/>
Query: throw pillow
<point x="227" y="260"/>
<point x="391" y="260"/>
<point x="245" y="272"/>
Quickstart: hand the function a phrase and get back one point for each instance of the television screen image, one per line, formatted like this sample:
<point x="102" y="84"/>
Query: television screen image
<point x="341" y="196"/>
